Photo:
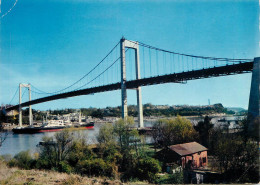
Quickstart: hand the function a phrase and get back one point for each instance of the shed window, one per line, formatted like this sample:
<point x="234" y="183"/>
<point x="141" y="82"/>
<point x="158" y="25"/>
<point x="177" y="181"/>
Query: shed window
<point x="204" y="160"/>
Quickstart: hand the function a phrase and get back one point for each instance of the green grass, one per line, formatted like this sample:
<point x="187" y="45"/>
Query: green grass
<point x="176" y="178"/>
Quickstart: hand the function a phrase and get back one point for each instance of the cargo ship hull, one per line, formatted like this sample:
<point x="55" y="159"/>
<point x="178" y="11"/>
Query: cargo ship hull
<point x="33" y="130"/>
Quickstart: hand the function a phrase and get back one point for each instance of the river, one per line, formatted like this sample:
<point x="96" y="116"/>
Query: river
<point x="16" y="143"/>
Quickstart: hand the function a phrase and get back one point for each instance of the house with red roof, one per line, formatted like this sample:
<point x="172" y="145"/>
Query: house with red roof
<point x="188" y="155"/>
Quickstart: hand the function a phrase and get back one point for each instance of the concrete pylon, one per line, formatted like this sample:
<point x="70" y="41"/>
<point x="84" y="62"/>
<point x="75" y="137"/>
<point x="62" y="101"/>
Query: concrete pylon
<point x="138" y="89"/>
<point x="30" y="107"/>
<point x="254" y="99"/>
<point x="123" y="79"/>
<point x="20" y="107"/>
<point x="135" y="46"/>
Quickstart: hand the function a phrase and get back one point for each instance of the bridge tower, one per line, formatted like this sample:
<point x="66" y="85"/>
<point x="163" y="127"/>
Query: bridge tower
<point x="20" y="106"/>
<point x="254" y="99"/>
<point x="133" y="45"/>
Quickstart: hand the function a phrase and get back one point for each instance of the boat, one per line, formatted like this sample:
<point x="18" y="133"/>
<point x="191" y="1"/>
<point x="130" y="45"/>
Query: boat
<point x="49" y="126"/>
<point x="89" y="125"/>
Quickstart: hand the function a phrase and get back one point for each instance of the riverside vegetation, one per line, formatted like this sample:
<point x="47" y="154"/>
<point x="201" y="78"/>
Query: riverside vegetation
<point x="121" y="153"/>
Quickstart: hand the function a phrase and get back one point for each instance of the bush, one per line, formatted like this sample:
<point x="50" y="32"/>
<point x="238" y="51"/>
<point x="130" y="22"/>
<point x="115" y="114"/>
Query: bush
<point x="95" y="167"/>
<point x="42" y="163"/>
<point x="22" y="160"/>
<point x="79" y="151"/>
<point x="176" y="178"/>
<point x="64" y="167"/>
<point x="146" y="169"/>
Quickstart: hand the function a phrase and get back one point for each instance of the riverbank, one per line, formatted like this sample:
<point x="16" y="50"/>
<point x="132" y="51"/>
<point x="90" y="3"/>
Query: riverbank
<point x="19" y="176"/>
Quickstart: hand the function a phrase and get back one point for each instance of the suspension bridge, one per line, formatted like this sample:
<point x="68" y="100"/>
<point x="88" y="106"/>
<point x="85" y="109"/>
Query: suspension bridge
<point x="133" y="64"/>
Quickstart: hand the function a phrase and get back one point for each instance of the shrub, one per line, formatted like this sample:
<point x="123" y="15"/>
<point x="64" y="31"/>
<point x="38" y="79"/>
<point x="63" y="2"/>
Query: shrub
<point x="79" y="151"/>
<point x="22" y="160"/>
<point x="64" y="167"/>
<point x="147" y="168"/>
<point x="95" y="167"/>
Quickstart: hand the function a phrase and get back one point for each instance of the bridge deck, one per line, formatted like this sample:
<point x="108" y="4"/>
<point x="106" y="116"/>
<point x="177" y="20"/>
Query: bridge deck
<point x="170" y="78"/>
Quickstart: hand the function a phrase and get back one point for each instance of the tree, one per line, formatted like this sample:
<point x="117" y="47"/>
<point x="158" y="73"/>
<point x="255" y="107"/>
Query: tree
<point x="55" y="149"/>
<point x="250" y="128"/>
<point x="147" y="168"/>
<point x="79" y="151"/>
<point x="157" y="134"/>
<point x="237" y="160"/>
<point x="63" y="143"/>
<point x="3" y="133"/>
<point x="127" y="138"/>
<point x="106" y="134"/>
<point x="176" y="131"/>
<point x="204" y="127"/>
<point x="125" y="133"/>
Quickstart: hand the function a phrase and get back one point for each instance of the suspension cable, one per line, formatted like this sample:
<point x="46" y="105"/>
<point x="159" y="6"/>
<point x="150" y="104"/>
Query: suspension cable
<point x="14" y="95"/>
<point x="43" y="92"/>
<point x="194" y="56"/>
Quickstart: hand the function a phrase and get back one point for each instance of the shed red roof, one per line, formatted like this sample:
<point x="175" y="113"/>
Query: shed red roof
<point x="187" y="148"/>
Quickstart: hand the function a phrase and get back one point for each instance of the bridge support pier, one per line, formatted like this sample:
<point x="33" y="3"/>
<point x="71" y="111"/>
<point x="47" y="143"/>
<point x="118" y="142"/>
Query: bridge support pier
<point x="123" y="79"/>
<point x="135" y="46"/>
<point x="254" y="100"/>
<point x="20" y="107"/>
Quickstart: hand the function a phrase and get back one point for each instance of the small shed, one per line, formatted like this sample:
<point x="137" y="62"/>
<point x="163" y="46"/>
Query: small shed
<point x="188" y="155"/>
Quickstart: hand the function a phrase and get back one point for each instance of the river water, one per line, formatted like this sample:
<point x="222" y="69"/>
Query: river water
<point x="16" y="143"/>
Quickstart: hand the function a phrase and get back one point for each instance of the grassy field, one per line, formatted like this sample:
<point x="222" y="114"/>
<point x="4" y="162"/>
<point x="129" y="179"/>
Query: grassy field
<point x="42" y="177"/>
<point x="18" y="176"/>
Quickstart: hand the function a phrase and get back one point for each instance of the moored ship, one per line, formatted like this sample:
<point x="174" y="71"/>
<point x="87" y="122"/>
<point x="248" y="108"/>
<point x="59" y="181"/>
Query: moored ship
<point x="50" y="126"/>
<point x="89" y="125"/>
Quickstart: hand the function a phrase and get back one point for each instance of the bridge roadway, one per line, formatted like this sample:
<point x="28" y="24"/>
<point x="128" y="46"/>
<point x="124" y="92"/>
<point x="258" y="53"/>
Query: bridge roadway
<point x="170" y="78"/>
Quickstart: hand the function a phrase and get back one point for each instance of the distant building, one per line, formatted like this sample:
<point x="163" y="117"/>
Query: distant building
<point x="12" y="113"/>
<point x="188" y="155"/>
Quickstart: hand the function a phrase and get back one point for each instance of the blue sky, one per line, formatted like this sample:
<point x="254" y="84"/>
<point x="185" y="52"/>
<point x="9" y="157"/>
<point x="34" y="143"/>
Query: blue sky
<point x="52" y="43"/>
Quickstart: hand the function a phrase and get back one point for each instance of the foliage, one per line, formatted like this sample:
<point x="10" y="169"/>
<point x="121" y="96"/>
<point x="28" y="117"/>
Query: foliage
<point x="22" y="160"/>
<point x="125" y="134"/>
<point x="238" y="158"/>
<point x="203" y="128"/>
<point x="147" y="168"/>
<point x="3" y="133"/>
<point x="106" y="136"/>
<point x="55" y="149"/>
<point x="79" y="151"/>
<point x="148" y="110"/>
<point x="95" y="167"/>
<point x="175" y="178"/>
<point x="63" y="166"/>
<point x="175" y="131"/>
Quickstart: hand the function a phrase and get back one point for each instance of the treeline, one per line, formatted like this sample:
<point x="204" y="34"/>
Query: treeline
<point x="153" y="110"/>
<point x="149" y="110"/>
